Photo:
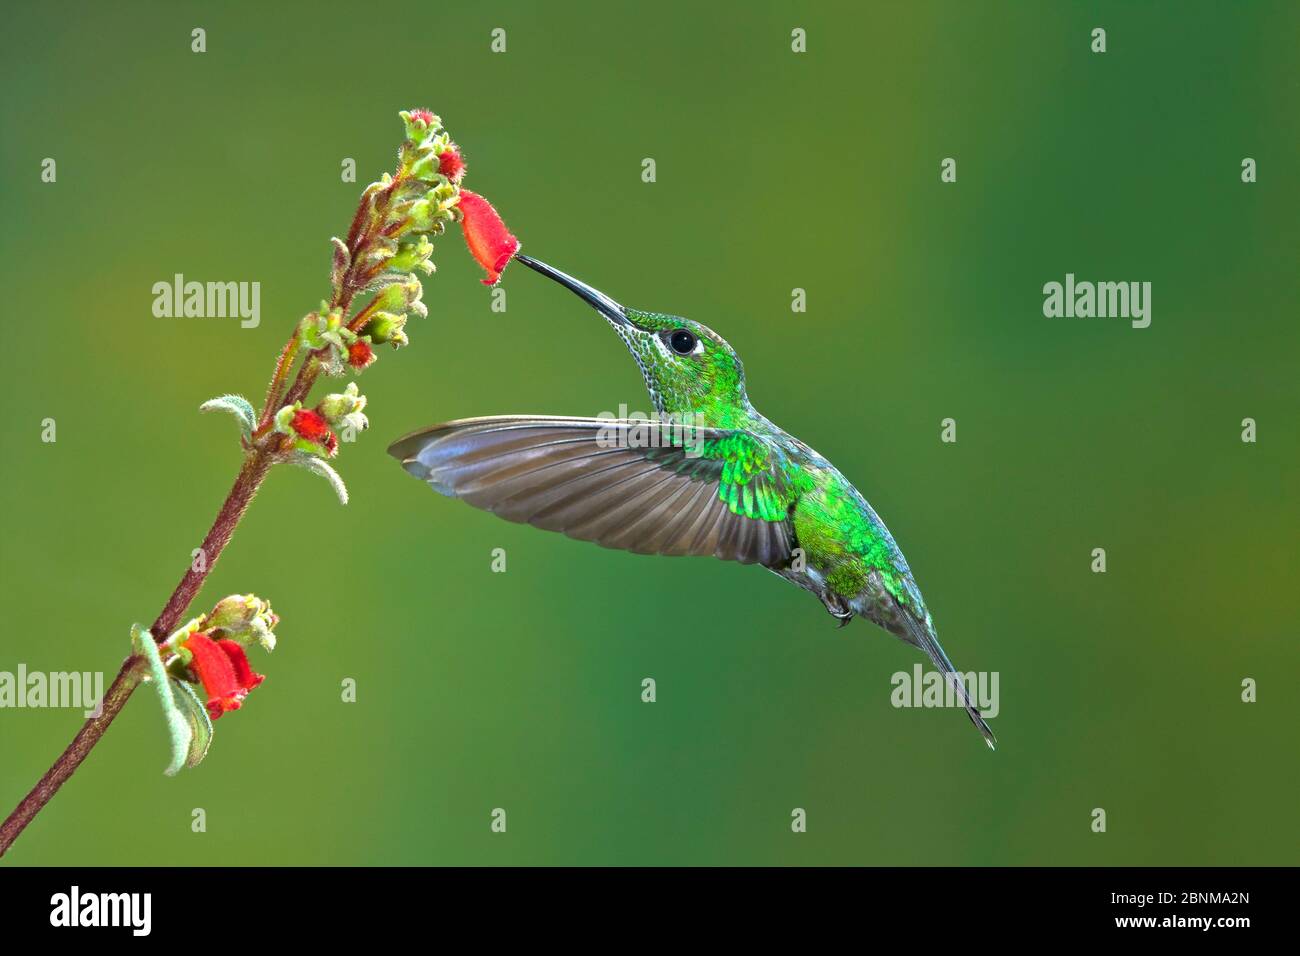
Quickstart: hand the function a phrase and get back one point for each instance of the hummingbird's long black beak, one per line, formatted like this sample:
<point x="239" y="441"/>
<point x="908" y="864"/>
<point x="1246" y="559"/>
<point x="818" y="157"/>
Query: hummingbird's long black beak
<point x="593" y="297"/>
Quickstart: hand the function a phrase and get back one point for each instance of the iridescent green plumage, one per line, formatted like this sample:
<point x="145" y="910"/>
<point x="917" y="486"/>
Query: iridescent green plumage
<point x="712" y="476"/>
<point x="768" y="474"/>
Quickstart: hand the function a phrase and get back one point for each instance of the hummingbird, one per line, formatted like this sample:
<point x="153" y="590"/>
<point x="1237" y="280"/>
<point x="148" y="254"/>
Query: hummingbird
<point x="708" y="474"/>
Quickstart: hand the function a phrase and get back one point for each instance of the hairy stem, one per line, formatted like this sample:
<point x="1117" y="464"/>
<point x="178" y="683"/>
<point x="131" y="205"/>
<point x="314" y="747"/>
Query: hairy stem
<point x="128" y="678"/>
<point x="257" y="463"/>
<point x="241" y="495"/>
<point x="287" y="355"/>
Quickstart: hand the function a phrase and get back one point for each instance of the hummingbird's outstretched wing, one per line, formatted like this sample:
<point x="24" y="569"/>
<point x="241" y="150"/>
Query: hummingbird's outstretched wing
<point x="652" y="488"/>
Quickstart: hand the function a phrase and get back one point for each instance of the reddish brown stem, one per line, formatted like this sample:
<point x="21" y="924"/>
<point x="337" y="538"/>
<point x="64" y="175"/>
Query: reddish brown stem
<point x="256" y="464"/>
<point x="363" y="315"/>
<point x="241" y="494"/>
<point x="287" y="355"/>
<point x="128" y="678"/>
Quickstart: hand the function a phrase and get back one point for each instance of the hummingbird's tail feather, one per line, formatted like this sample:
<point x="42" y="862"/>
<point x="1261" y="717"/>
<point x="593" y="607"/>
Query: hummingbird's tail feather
<point x="921" y="634"/>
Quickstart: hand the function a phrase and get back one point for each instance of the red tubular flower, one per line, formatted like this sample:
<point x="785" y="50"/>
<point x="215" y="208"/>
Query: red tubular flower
<point x="452" y="165"/>
<point x="244" y="673"/>
<point x="486" y="234"/>
<point x="223" y="668"/>
<point x="310" y="425"/>
<point x="360" y="355"/>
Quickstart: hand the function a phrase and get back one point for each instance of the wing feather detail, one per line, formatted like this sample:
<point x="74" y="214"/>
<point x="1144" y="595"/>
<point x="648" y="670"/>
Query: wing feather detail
<point x="591" y="479"/>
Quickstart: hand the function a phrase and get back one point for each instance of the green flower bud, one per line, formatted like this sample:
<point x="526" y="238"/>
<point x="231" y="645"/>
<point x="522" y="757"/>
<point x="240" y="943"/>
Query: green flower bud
<point x="426" y="168"/>
<point x="385" y="327"/>
<point x="421" y="215"/>
<point x="413" y="255"/>
<point x="327" y="330"/>
<point x="234" y="611"/>
<point x="244" y="618"/>
<point x="414" y="292"/>
<point x="340" y="404"/>
<point x="419" y="124"/>
<point x="401" y="294"/>
<point x="284" y="418"/>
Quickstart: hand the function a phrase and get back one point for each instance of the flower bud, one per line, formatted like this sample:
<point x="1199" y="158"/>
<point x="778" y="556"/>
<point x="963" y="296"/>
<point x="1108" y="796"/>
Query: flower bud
<point x="400" y="295"/>
<point x="386" y="327"/>
<point x="234" y="612"/>
<point x="412" y="255"/>
<point x="426" y="215"/>
<point x="244" y="618"/>
<point x="419" y="124"/>
<point x="336" y="406"/>
<point x="309" y="429"/>
<point x="325" y="331"/>
<point x="451" y="164"/>
<point x="360" y="355"/>
<point x="309" y="425"/>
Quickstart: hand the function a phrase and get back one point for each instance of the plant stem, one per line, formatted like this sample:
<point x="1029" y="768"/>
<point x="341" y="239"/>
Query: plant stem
<point x="241" y="494"/>
<point x="128" y="678"/>
<point x="287" y="355"/>
<point x="257" y="463"/>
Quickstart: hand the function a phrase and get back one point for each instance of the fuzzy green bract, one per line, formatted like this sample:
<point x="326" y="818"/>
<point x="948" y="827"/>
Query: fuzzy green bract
<point x="179" y="730"/>
<point x="236" y="405"/>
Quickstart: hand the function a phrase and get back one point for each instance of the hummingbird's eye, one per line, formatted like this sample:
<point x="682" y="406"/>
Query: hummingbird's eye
<point x="682" y="342"/>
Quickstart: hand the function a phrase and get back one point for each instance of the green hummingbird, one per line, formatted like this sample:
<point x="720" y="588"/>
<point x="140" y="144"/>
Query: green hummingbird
<point x="707" y="475"/>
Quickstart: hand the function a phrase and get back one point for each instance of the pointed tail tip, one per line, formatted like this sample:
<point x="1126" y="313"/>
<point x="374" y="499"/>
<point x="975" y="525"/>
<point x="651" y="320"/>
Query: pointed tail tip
<point x="976" y="718"/>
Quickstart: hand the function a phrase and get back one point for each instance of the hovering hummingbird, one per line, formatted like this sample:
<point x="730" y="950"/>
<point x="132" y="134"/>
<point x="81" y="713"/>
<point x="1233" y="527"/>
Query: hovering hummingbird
<point x="709" y="475"/>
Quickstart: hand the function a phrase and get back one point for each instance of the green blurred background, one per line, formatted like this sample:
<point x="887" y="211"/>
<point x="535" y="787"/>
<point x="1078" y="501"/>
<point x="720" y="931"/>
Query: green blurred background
<point x="775" y="170"/>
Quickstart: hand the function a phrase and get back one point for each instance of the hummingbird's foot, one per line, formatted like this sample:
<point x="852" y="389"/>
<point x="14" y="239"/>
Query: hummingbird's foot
<point x="838" y="607"/>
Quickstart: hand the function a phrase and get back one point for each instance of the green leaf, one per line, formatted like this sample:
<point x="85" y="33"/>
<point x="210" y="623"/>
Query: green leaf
<point x="178" y="725"/>
<point x="236" y="405"/>
<point x="196" y="714"/>
<point x="319" y="467"/>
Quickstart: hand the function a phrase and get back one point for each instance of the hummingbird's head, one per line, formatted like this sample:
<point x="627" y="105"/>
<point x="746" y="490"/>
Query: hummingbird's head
<point x="688" y="368"/>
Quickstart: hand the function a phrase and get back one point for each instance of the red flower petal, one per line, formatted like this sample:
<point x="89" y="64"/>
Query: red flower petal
<point x="244" y="673"/>
<point x="423" y="115"/>
<point x="452" y="165"/>
<point x="360" y="355"/>
<point x="215" y="669"/>
<point x="310" y="425"/>
<point x="488" y="239"/>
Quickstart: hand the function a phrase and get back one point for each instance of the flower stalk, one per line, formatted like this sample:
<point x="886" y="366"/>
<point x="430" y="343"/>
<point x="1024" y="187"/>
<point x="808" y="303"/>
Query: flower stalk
<point x="388" y="241"/>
